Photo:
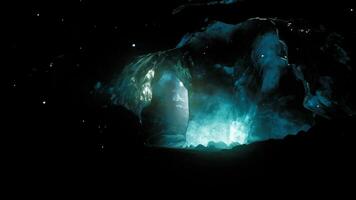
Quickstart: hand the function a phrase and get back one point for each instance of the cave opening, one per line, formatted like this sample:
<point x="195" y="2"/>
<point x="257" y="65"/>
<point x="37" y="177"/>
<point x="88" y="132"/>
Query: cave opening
<point x="179" y="118"/>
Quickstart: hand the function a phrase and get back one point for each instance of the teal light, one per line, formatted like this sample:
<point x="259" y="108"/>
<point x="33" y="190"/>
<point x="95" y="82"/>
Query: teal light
<point x="218" y="122"/>
<point x="231" y="133"/>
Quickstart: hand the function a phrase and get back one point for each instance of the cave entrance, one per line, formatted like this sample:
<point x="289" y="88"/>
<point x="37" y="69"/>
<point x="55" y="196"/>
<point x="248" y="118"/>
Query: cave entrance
<point x="166" y="119"/>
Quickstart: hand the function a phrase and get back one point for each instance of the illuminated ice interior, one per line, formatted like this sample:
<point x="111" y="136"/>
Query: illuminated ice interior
<point x="217" y="122"/>
<point x="230" y="132"/>
<point x="229" y="85"/>
<point x="146" y="94"/>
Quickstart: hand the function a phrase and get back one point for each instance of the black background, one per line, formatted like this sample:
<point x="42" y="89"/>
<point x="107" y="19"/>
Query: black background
<point x="57" y="50"/>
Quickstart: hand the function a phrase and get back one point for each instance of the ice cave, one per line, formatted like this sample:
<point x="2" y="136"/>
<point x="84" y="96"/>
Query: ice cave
<point x="227" y="85"/>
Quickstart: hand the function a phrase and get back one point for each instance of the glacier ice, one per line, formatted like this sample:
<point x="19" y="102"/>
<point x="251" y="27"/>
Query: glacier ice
<point x="230" y="84"/>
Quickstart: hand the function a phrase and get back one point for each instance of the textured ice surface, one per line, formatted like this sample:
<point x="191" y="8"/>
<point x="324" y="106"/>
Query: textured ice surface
<point x="228" y="85"/>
